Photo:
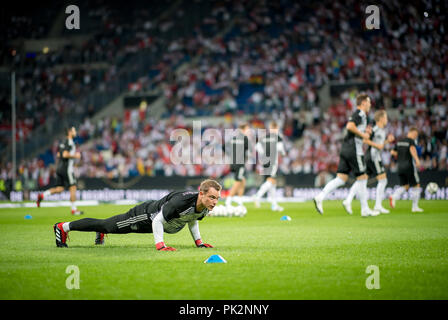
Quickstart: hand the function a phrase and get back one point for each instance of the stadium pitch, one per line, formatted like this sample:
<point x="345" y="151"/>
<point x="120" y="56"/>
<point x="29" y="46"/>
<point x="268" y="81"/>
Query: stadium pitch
<point x="334" y="256"/>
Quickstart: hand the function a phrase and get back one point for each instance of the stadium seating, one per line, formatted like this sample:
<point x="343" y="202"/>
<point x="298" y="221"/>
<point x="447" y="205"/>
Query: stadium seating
<point x="272" y="61"/>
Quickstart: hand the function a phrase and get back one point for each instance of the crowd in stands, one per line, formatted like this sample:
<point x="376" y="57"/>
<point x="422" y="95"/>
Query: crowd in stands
<point x="279" y="54"/>
<point x="51" y="83"/>
<point x="257" y="58"/>
<point x="136" y="145"/>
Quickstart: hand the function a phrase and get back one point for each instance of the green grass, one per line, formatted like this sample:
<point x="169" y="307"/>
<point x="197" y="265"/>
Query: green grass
<point x="309" y="257"/>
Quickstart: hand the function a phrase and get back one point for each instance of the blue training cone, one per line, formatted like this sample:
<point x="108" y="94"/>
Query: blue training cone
<point x="216" y="258"/>
<point x="28" y="217"/>
<point x="285" y="218"/>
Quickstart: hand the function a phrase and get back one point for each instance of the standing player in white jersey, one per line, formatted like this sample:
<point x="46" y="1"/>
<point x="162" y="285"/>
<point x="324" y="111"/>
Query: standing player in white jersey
<point x="269" y="147"/>
<point x="374" y="163"/>
<point x="352" y="158"/>
<point x="65" y="178"/>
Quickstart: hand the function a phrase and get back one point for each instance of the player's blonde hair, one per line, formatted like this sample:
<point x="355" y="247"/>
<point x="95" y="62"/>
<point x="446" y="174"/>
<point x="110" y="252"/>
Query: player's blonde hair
<point x="209" y="183"/>
<point x="379" y="114"/>
<point x="273" y="125"/>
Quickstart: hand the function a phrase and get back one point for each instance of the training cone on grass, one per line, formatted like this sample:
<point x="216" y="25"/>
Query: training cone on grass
<point x="27" y="217"/>
<point x="285" y="218"/>
<point x="216" y="258"/>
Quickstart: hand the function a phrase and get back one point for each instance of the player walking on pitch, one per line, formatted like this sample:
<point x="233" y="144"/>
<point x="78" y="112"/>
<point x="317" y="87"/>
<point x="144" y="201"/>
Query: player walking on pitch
<point x="169" y="214"/>
<point x="65" y="178"/>
<point x="408" y="162"/>
<point x="269" y="147"/>
<point x="374" y="162"/>
<point x="352" y="158"/>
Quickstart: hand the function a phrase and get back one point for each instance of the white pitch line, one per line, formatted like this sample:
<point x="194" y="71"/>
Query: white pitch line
<point x="48" y="204"/>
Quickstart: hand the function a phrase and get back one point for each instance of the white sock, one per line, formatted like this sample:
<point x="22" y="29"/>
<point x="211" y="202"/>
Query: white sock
<point x="263" y="189"/>
<point x="362" y="194"/>
<point x="46" y="193"/>
<point x="352" y="192"/>
<point x="380" y="193"/>
<point x="229" y="201"/>
<point x="331" y="186"/>
<point x="415" y="196"/>
<point x="398" y="193"/>
<point x="73" y="206"/>
<point x="273" y="195"/>
<point x="66" y="226"/>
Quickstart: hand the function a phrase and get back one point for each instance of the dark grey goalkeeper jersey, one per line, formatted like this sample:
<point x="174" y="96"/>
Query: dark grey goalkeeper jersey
<point x="178" y="208"/>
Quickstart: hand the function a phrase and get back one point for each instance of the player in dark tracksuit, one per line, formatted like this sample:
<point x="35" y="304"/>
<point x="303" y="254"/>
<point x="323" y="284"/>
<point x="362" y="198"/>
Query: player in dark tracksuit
<point x="169" y="214"/>
<point x="408" y="162"/>
<point x="352" y="158"/>
<point x="239" y="145"/>
<point x="268" y="148"/>
<point x="65" y="178"/>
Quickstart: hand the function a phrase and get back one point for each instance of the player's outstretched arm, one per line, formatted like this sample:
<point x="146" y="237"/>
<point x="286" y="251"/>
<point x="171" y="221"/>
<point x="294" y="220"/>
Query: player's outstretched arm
<point x="281" y="148"/>
<point x="351" y="126"/>
<point x="373" y="144"/>
<point x="67" y="155"/>
<point x="259" y="148"/>
<point x="157" y="229"/>
<point x="194" y="230"/>
<point x="414" y="154"/>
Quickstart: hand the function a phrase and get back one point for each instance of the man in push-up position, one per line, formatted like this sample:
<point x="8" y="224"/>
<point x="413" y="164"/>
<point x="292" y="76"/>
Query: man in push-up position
<point x="169" y="214"/>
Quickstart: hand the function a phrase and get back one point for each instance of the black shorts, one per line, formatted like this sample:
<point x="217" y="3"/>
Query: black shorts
<point x="409" y="177"/>
<point x="374" y="167"/>
<point x="239" y="171"/>
<point x="65" y="179"/>
<point x="136" y="220"/>
<point x="352" y="163"/>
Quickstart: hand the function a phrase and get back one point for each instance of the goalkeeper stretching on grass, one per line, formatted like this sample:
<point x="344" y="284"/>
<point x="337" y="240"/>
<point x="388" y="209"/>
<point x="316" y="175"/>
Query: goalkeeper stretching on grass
<point x="169" y="214"/>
